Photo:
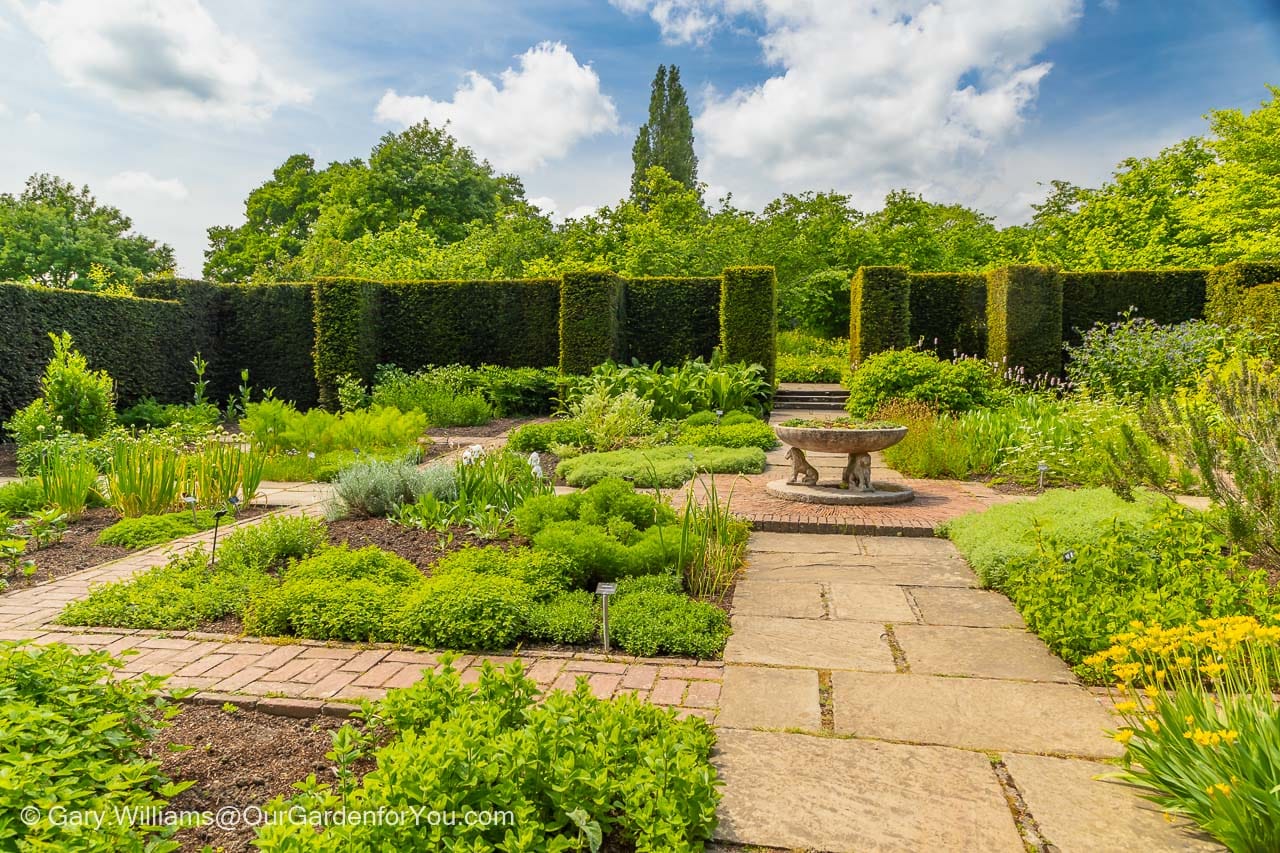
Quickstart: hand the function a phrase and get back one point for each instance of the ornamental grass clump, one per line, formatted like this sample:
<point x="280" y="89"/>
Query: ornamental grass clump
<point x="1201" y="722"/>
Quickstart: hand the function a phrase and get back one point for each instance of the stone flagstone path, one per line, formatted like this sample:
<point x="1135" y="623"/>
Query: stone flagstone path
<point x="875" y="700"/>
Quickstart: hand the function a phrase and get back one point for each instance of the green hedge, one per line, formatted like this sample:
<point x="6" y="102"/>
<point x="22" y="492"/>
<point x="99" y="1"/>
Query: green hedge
<point x="671" y="319"/>
<point x="1024" y="319"/>
<point x="1259" y="312"/>
<point x="145" y="344"/>
<point x="749" y="317"/>
<point x="591" y="312"/>
<point x="346" y="329"/>
<point x="879" y="311"/>
<point x="1226" y="288"/>
<point x="267" y="328"/>
<point x="1165" y="296"/>
<point x="949" y="312"/>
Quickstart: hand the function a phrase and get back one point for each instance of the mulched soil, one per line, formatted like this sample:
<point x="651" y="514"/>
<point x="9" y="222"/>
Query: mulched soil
<point x="239" y="759"/>
<point x="8" y="460"/>
<point x="79" y="550"/>
<point x="420" y="547"/>
<point x="492" y="429"/>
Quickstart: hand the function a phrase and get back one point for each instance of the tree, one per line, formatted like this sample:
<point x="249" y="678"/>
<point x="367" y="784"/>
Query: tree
<point x="1237" y="202"/>
<point x="296" y="222"/>
<point x="666" y="140"/>
<point x="53" y="234"/>
<point x="279" y="215"/>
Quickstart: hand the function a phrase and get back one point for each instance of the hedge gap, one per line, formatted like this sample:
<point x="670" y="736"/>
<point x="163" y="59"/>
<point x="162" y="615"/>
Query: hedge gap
<point x="949" y="312"/>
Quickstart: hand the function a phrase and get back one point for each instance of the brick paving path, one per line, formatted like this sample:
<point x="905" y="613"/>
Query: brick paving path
<point x="306" y="676"/>
<point x="875" y="699"/>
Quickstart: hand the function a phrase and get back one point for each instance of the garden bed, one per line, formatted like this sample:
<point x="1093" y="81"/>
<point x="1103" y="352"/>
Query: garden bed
<point x="492" y="429"/>
<point x="238" y="758"/>
<point x="420" y="547"/>
<point x="79" y="549"/>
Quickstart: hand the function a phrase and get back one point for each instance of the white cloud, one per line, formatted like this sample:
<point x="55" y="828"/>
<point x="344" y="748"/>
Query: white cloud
<point x="133" y="183"/>
<point x="533" y="114"/>
<point x="4" y="109"/>
<point x="869" y="96"/>
<point x="159" y="56"/>
<point x="680" y="21"/>
<point x="547" y="205"/>
<point x="33" y="118"/>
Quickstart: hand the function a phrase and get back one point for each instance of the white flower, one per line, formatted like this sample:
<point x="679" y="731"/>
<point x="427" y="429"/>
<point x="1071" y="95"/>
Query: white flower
<point x="311" y="454"/>
<point x="535" y="463"/>
<point x="474" y="453"/>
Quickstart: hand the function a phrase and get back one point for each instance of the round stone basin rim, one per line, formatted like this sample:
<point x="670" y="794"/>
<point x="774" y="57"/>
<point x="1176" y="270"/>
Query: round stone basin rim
<point x="840" y="440"/>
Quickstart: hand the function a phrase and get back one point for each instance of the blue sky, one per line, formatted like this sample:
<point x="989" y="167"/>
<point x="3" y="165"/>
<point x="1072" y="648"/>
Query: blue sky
<point x="175" y="109"/>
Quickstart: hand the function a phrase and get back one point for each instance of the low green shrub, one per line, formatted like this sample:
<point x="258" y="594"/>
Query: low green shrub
<point x="912" y="374"/>
<point x="993" y="539"/>
<point x="737" y="433"/>
<point x="496" y="391"/>
<point x="81" y="400"/>
<point x="376" y="488"/>
<point x="610" y="552"/>
<point x="147" y="530"/>
<point x="1136" y="358"/>
<point x="660" y="467"/>
<point x="21" y="497"/>
<point x="336" y="594"/>
<point x="808" y="358"/>
<point x="649" y="622"/>
<point x="609" y="502"/>
<point x="461" y="610"/>
<point x="541" y="437"/>
<point x="570" y="618"/>
<point x="73" y="736"/>
<point x="275" y="427"/>
<point x="545" y="573"/>
<point x="638" y="778"/>
<point x="181" y="595"/>
<point x="677" y="391"/>
<point x="1174" y="570"/>
<point x="187" y="591"/>
<point x="148" y="414"/>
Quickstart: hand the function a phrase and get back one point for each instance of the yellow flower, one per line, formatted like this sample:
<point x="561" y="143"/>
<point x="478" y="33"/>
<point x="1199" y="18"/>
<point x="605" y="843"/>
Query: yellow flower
<point x="1126" y="707"/>
<point x="1124" y="735"/>
<point x="1230" y="736"/>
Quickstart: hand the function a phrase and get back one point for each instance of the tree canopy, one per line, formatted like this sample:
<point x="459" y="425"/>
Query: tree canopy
<point x="666" y="139"/>
<point x="54" y="234"/>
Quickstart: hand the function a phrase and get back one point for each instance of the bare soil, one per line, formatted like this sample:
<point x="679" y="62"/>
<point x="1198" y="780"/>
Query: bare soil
<point x="79" y="549"/>
<point x="420" y="547"/>
<point x="8" y="460"/>
<point x="238" y="759"/>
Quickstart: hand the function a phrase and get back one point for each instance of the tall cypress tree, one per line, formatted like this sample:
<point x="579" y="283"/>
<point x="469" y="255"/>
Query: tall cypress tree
<point x="666" y="140"/>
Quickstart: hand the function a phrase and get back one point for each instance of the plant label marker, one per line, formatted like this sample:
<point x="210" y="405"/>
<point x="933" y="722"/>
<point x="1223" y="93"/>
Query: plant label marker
<point x="604" y="590"/>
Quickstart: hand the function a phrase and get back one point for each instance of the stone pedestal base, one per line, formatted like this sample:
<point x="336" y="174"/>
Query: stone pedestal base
<point x="831" y="493"/>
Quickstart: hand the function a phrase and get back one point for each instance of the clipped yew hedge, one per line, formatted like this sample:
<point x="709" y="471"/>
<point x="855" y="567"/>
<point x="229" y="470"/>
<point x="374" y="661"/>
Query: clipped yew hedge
<point x="1024" y="319"/>
<point x="1165" y="296"/>
<point x="267" y="328"/>
<point x="670" y="319"/>
<point x="749" y="317"/>
<point x="949" y="312"/>
<point x="145" y="344"/>
<point x="879" y="311"/>
<point x="1227" y="285"/>
<point x="590" y="323"/>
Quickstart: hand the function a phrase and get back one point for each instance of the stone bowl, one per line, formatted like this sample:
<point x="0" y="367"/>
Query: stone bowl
<point x="836" y="440"/>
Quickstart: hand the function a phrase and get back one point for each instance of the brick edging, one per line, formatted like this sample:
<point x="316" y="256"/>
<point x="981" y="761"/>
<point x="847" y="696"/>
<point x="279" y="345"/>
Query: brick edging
<point x="777" y="524"/>
<point x="280" y="706"/>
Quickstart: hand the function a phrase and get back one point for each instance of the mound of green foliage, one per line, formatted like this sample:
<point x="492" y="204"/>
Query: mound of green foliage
<point x="188" y="591"/>
<point x="21" y="497"/>
<point x="735" y="429"/>
<point x="147" y="530"/>
<point x="73" y="736"/>
<point x="660" y="467"/>
<point x="912" y="374"/>
<point x="573" y="771"/>
<point x="652" y="616"/>
<point x="1081" y="565"/>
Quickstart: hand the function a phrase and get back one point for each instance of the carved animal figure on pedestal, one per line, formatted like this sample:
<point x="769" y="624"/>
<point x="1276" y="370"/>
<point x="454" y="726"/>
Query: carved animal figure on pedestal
<point x="801" y="470"/>
<point x="858" y="472"/>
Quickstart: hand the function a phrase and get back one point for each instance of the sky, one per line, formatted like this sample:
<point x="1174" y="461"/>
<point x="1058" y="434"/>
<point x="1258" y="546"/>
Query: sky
<point x="173" y="110"/>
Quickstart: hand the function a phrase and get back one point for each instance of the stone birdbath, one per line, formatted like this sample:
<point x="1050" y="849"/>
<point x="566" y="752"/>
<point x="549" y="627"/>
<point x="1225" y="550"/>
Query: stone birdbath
<point x="855" y="439"/>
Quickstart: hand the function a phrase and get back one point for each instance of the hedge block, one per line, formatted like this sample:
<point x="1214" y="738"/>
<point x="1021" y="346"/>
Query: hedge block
<point x="1227" y="284"/>
<point x="749" y="317"/>
<point x="1101" y="296"/>
<point x="1024" y="319"/>
<point x="1259" y="312"/>
<point x="949" y="312"/>
<point x="346" y="312"/>
<point x="670" y="319"/>
<point x="879" y="311"/>
<point x="591" y="324"/>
